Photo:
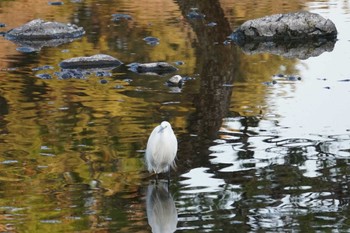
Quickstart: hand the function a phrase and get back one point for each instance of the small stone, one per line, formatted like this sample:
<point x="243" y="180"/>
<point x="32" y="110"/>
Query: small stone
<point x="151" y="40"/>
<point x="179" y="63"/>
<point x="103" y="73"/>
<point x="176" y="80"/>
<point x="119" y="17"/>
<point x="103" y="81"/>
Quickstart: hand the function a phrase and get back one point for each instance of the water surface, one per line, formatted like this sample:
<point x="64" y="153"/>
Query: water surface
<point x="257" y="151"/>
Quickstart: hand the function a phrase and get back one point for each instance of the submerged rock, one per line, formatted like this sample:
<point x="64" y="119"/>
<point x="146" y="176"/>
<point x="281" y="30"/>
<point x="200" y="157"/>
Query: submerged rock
<point x="157" y="68"/>
<point x="39" y="33"/>
<point x="119" y="17"/>
<point x="71" y="73"/>
<point x="293" y="35"/>
<point x="292" y="26"/>
<point x="99" y="60"/>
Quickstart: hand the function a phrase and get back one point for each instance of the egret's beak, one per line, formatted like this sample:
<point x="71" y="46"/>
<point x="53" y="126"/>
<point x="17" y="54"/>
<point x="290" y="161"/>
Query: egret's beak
<point x="161" y="129"/>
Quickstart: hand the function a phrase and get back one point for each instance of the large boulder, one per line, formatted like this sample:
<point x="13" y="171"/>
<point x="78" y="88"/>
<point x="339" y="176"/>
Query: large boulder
<point x="293" y="35"/>
<point x="39" y="33"/>
<point x="39" y="29"/>
<point x="292" y="26"/>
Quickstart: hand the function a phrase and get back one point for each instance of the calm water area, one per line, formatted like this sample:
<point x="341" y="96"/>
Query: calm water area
<point x="264" y="139"/>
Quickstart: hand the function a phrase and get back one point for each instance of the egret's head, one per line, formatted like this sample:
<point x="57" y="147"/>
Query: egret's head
<point x="164" y="125"/>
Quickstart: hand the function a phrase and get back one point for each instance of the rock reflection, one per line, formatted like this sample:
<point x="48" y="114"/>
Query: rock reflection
<point x="289" y="50"/>
<point x="161" y="209"/>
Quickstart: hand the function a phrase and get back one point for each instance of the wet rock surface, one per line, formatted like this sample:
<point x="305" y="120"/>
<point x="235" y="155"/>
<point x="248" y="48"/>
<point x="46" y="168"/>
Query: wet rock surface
<point x="95" y="61"/>
<point x="290" y="26"/>
<point x="175" y="80"/>
<point x="293" y="35"/>
<point x="157" y="68"/>
<point x="39" y="33"/>
<point x="39" y="29"/>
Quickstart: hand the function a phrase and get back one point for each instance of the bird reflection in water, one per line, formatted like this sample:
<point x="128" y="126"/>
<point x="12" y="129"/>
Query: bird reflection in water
<point x="161" y="210"/>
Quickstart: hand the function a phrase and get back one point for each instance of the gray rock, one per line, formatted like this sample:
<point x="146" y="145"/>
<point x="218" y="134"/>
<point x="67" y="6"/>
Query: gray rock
<point x="44" y="30"/>
<point x="157" y="68"/>
<point x="39" y="33"/>
<point x="95" y="61"/>
<point x="175" y="80"/>
<point x="292" y="26"/>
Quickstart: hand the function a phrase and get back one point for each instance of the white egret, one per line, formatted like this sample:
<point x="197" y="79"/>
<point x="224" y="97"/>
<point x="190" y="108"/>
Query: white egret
<point x="161" y="149"/>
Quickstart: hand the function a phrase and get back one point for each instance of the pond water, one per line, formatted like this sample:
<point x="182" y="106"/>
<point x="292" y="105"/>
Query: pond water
<point x="264" y="140"/>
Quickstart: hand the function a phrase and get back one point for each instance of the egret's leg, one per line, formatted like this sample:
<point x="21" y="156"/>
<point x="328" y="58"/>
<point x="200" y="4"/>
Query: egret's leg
<point x="169" y="175"/>
<point x="156" y="178"/>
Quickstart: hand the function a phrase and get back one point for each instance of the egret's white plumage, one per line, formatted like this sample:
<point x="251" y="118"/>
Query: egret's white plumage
<point x="161" y="148"/>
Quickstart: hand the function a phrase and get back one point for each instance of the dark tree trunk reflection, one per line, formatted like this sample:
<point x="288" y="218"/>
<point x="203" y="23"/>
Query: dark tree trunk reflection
<point x="217" y="65"/>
